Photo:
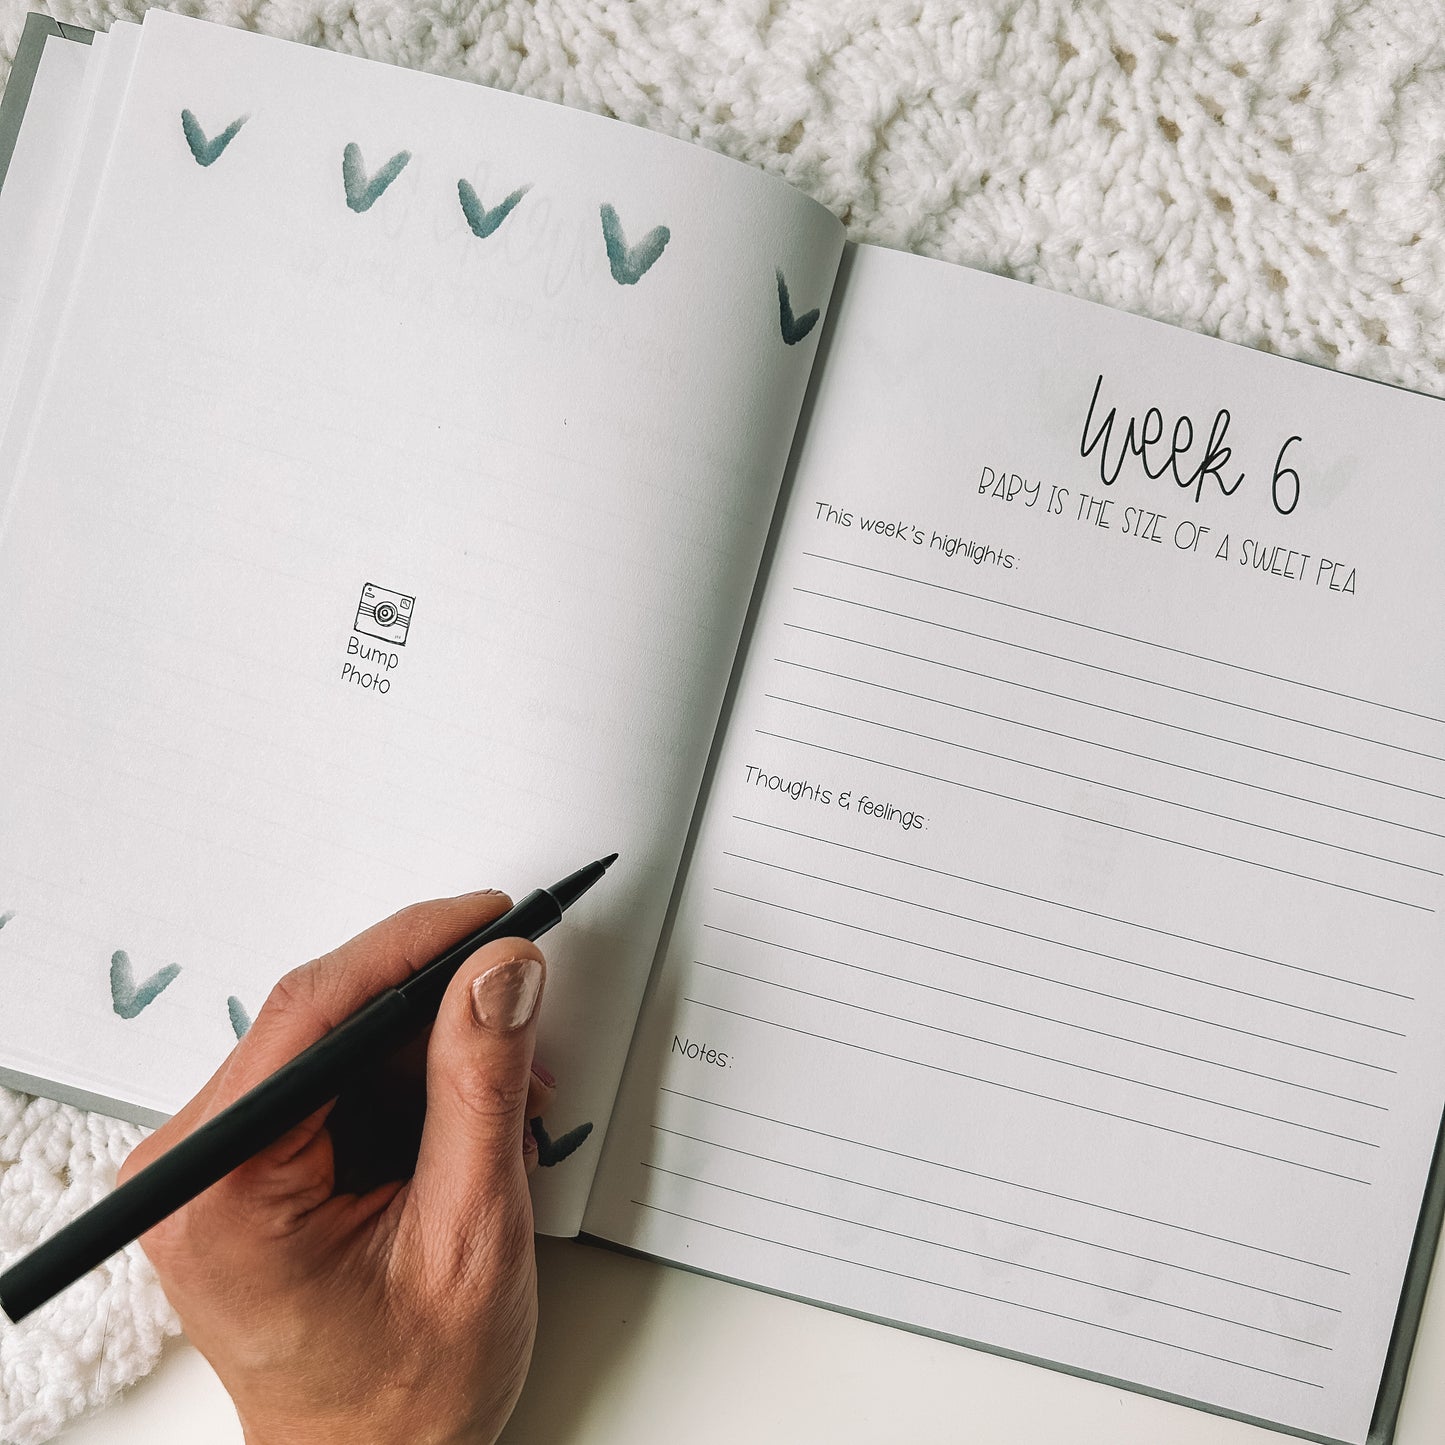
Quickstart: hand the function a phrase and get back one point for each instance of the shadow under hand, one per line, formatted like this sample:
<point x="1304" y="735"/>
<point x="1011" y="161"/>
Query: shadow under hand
<point x="593" y="1302"/>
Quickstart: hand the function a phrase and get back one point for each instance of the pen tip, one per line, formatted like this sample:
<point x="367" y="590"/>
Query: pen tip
<point x="609" y="860"/>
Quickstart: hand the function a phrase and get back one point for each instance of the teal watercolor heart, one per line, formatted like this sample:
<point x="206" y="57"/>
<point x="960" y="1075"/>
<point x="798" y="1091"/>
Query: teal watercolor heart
<point x="631" y="263"/>
<point x="363" y="191"/>
<point x="794" y="329"/>
<point x="482" y="221"/>
<point x="6" y="917"/>
<point x="554" y="1151"/>
<point x="240" y="1019"/>
<point x="129" y="997"/>
<point x="208" y="152"/>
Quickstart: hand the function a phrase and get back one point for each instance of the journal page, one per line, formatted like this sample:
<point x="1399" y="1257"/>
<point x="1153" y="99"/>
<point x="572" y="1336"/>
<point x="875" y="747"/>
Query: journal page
<point x="1059" y="964"/>
<point x="384" y="530"/>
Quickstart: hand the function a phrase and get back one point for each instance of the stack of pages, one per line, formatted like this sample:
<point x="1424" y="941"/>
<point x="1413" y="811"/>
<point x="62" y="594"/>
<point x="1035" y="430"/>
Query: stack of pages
<point x="1022" y="724"/>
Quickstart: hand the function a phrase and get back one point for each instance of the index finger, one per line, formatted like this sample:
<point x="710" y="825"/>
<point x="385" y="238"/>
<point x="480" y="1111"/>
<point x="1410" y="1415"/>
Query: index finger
<point x="310" y="1001"/>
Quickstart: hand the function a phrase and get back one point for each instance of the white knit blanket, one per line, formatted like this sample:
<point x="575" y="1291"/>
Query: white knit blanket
<point x="1268" y="173"/>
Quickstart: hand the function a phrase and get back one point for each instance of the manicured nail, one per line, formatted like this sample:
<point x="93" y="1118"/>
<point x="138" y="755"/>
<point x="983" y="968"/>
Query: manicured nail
<point x="544" y="1076"/>
<point x="504" y="997"/>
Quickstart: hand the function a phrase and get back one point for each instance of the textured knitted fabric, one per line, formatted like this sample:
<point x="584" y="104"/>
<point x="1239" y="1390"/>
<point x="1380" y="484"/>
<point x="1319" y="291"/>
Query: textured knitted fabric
<point x="1268" y="174"/>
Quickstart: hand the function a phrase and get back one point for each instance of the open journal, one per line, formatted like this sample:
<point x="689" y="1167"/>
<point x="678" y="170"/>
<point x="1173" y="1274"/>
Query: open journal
<point x="1022" y="724"/>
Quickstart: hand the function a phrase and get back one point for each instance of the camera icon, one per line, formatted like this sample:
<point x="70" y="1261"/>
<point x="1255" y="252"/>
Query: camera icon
<point x="383" y="613"/>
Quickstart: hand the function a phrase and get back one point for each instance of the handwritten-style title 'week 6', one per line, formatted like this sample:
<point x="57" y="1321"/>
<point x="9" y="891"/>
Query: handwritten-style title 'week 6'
<point x="1143" y="437"/>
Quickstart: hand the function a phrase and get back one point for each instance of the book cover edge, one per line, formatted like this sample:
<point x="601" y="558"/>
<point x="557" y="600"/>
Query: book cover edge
<point x="1041" y="1362"/>
<point x="1412" y="1300"/>
<point x="38" y="29"/>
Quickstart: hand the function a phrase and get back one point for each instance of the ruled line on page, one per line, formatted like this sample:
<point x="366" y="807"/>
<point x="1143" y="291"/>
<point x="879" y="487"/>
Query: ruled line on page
<point x="282" y="496"/>
<point x="1119" y="711"/>
<point x="149" y="623"/>
<point x="1106" y="747"/>
<point x="1050" y="1058"/>
<point x="177" y="830"/>
<point x="1029" y="1093"/>
<point x="978" y="1254"/>
<point x="1072" y="908"/>
<point x="1015" y="1049"/>
<point x="792" y="1165"/>
<point x="469" y="442"/>
<point x="975" y="1294"/>
<point x="1128" y="637"/>
<point x="1048" y="978"/>
<point x="309" y="796"/>
<point x="212" y="688"/>
<point x="1092" y="782"/>
<point x="1117" y="672"/>
<point x="896" y="977"/>
<point x="1098" y="822"/>
<point x="102" y="945"/>
<point x="998" y="1179"/>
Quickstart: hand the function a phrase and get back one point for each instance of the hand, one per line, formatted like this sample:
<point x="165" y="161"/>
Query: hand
<point x="336" y="1298"/>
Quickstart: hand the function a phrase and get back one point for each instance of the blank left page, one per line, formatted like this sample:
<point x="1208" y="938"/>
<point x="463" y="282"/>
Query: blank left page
<point x="431" y="437"/>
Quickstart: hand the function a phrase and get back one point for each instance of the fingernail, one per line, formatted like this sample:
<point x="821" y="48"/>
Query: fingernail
<point x="544" y="1076"/>
<point x="504" y="997"/>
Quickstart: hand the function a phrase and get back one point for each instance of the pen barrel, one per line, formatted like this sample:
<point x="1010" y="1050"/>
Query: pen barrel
<point x="207" y="1154"/>
<point x="530" y="918"/>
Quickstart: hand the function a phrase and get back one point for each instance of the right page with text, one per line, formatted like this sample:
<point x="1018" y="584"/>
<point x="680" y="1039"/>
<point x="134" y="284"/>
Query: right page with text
<point x="1058" y="965"/>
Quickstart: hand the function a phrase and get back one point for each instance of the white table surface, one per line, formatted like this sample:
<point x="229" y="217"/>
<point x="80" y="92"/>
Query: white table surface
<point x="635" y="1352"/>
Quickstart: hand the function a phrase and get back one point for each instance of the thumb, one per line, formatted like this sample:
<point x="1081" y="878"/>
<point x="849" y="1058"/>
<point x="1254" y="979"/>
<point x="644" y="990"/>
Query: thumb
<point x="470" y="1186"/>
